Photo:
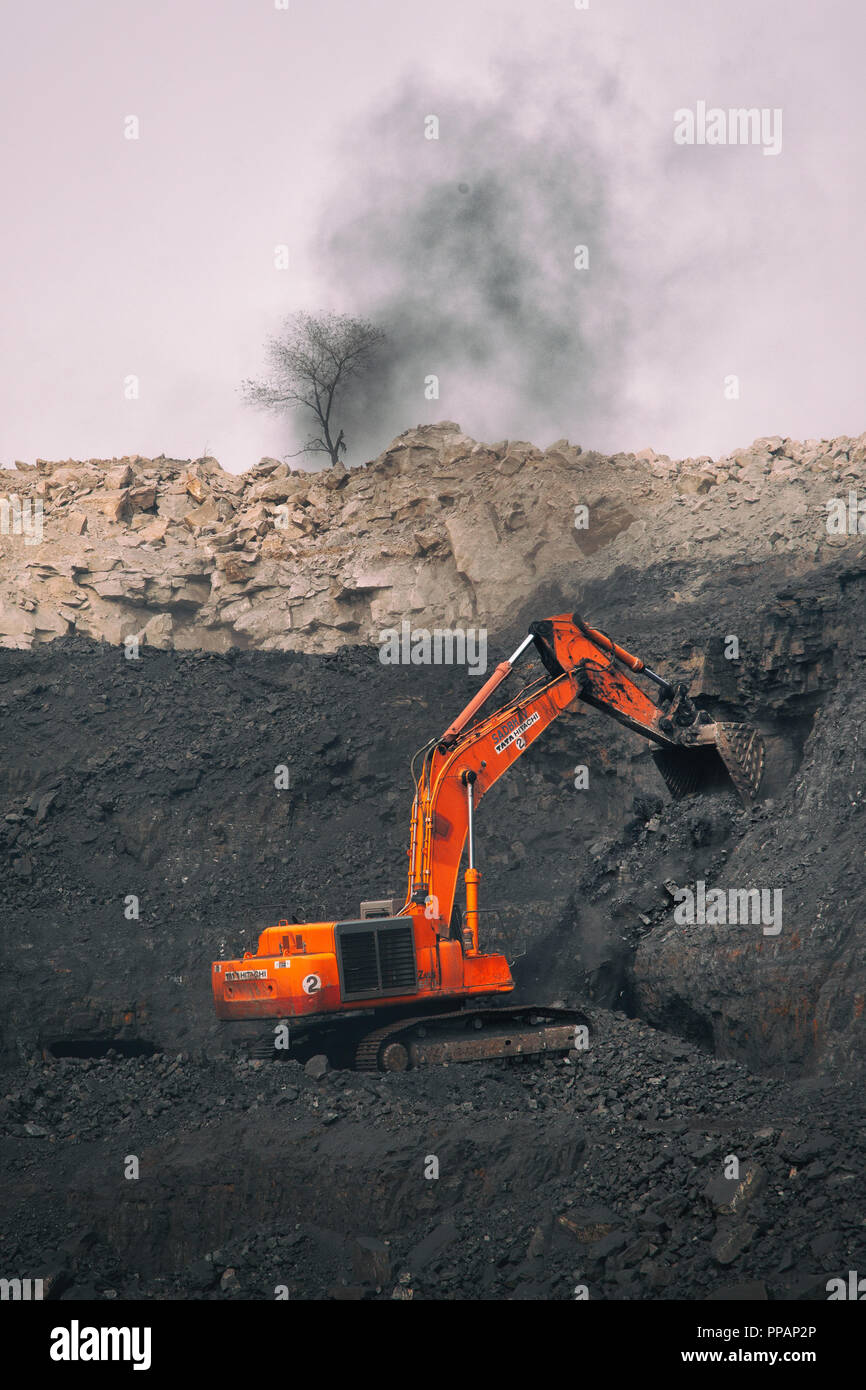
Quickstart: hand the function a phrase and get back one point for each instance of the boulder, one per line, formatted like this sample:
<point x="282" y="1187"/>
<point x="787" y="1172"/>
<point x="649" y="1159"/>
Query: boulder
<point x="695" y="484"/>
<point x="207" y="514"/>
<point x="194" y="485"/>
<point x="142" y="499"/>
<point x="117" y="478"/>
<point x="158" y="631"/>
<point x="113" y="505"/>
<point x="155" y="530"/>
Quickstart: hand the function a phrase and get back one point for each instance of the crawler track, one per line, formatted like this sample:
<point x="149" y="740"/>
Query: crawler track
<point x="430" y="1039"/>
<point x="468" y="1035"/>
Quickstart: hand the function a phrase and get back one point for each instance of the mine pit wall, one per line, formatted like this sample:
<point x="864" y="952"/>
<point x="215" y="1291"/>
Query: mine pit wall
<point x="161" y="785"/>
<point x="791" y="1001"/>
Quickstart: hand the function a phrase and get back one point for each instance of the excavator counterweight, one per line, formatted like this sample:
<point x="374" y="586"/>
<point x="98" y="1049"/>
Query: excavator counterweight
<point x="412" y="986"/>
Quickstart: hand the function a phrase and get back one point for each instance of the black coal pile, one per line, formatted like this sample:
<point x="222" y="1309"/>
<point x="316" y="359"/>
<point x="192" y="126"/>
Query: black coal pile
<point x="147" y="830"/>
<point x="642" y="1168"/>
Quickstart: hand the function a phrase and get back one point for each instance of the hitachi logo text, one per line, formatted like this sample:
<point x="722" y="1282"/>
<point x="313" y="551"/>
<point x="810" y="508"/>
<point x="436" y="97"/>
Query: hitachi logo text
<point x="513" y="731"/>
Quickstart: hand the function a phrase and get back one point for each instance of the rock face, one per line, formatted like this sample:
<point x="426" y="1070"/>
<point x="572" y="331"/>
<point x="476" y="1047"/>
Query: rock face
<point x="439" y="530"/>
<point x="796" y="997"/>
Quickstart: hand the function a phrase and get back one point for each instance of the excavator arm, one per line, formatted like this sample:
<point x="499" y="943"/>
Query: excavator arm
<point x="581" y="663"/>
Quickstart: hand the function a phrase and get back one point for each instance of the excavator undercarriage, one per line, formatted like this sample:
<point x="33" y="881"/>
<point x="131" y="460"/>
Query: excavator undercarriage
<point x="430" y="1039"/>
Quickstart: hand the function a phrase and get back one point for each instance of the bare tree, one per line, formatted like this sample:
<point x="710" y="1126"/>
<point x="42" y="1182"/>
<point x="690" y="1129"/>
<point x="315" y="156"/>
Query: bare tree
<point x="312" y="361"/>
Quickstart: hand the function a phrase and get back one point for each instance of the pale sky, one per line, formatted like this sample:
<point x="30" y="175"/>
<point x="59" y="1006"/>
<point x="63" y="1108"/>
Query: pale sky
<point x="261" y="126"/>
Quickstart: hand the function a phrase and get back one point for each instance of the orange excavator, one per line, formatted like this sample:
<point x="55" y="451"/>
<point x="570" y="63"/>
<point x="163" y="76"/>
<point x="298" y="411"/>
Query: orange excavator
<point x="409" y="985"/>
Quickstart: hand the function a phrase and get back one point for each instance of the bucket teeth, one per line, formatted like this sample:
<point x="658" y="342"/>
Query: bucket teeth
<point x="741" y="749"/>
<point x="737" y="757"/>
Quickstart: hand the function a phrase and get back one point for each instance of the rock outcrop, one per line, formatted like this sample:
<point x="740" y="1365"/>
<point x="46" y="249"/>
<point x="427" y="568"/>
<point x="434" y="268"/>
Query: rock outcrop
<point x="439" y="530"/>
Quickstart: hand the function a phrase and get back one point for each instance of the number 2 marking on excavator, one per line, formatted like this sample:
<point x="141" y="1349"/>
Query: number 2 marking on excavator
<point x="312" y="984"/>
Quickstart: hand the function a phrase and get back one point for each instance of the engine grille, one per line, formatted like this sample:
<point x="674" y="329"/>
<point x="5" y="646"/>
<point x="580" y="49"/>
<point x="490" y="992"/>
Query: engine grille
<point x="376" y="960"/>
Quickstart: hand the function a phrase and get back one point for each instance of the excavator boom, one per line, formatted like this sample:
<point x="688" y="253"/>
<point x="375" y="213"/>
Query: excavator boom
<point x="582" y="664"/>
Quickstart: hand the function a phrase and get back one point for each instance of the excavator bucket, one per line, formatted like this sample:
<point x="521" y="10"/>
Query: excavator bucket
<point x="732" y="754"/>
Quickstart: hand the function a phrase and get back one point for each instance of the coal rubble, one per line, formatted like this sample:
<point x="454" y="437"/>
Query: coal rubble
<point x="603" y="1172"/>
<point x="708" y="1144"/>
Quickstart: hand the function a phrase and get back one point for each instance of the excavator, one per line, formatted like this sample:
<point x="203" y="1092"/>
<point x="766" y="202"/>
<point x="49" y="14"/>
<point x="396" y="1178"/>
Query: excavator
<point x="409" y="986"/>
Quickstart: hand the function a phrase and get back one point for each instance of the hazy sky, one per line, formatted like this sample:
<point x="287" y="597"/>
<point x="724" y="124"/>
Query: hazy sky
<point x="305" y="127"/>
